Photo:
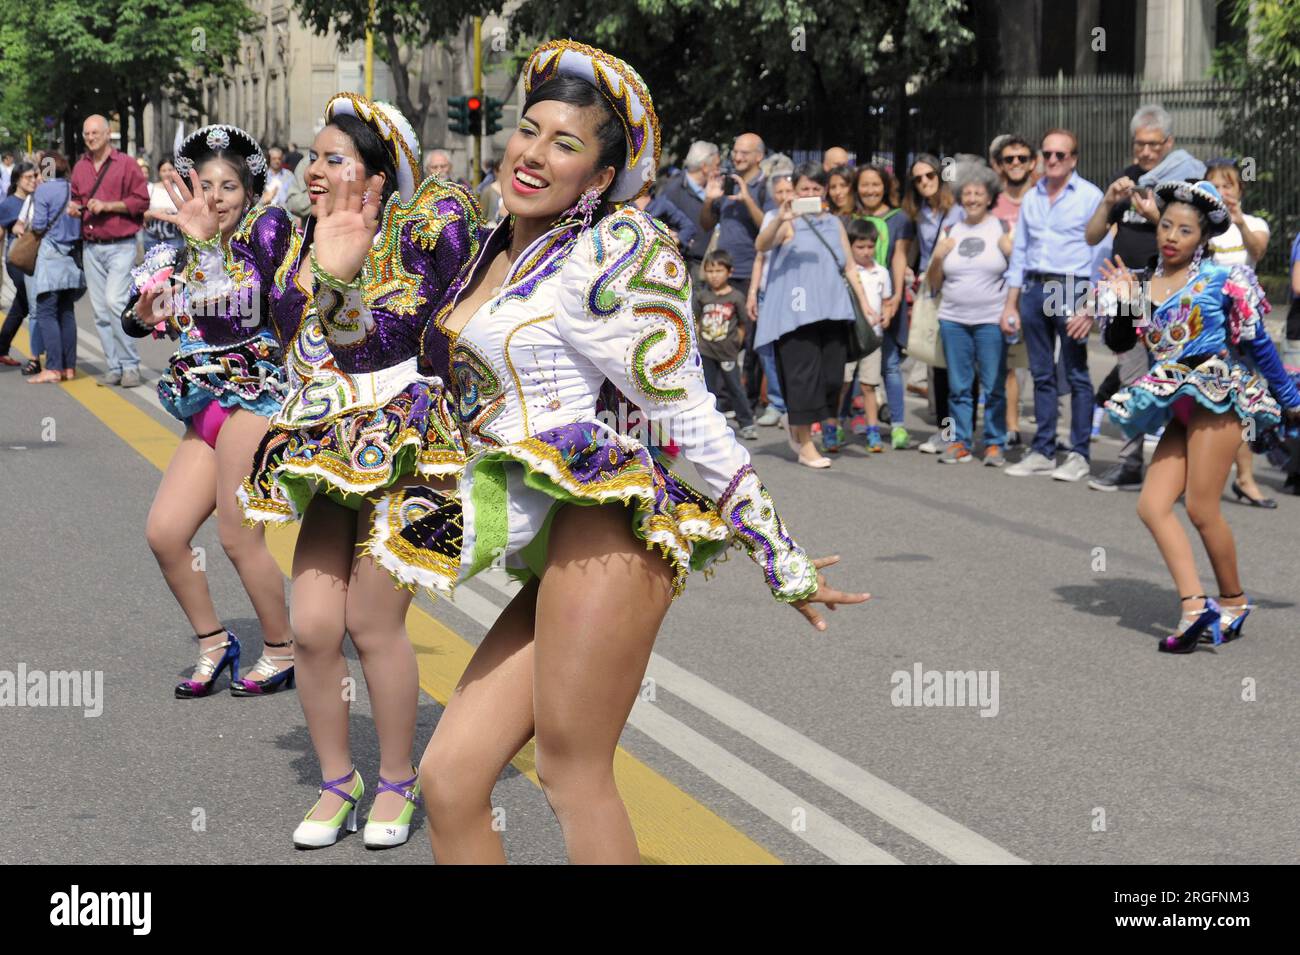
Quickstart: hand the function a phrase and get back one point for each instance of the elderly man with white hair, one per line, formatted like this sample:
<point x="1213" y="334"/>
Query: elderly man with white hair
<point x="437" y="163"/>
<point x="1129" y="207"/>
<point x="685" y="190"/>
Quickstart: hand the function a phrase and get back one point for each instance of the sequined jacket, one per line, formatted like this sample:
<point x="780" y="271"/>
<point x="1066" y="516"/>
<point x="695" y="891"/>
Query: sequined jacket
<point x="609" y="303"/>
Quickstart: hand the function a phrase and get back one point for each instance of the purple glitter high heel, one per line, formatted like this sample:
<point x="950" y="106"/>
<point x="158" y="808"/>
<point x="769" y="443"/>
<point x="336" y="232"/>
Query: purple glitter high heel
<point x="1191" y="630"/>
<point x="207" y="672"/>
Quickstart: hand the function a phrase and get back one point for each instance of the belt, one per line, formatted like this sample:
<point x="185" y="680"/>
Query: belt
<point x="1042" y="277"/>
<point x="125" y="238"/>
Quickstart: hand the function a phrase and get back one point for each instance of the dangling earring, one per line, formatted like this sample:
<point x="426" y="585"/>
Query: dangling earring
<point x="585" y="207"/>
<point x="1196" y="260"/>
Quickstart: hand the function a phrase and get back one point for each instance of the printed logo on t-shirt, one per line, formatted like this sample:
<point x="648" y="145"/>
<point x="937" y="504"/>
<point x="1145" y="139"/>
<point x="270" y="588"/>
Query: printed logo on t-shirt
<point x="715" y="320"/>
<point x="970" y="247"/>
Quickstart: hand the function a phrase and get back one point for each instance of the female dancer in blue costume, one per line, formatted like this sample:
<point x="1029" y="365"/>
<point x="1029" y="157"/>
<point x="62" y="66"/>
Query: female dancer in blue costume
<point x="225" y="380"/>
<point x="361" y="423"/>
<point x="1193" y="311"/>
<point x="566" y="295"/>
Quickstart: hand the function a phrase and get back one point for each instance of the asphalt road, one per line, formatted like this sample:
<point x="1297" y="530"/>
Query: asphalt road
<point x="763" y="740"/>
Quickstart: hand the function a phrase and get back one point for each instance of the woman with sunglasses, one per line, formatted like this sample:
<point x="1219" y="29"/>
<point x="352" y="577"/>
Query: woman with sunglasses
<point x="933" y="209"/>
<point x="1195" y="313"/>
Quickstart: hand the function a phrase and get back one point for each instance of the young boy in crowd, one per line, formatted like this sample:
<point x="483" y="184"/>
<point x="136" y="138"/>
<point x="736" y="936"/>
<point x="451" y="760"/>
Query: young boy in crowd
<point x="720" y="331"/>
<point x="878" y="287"/>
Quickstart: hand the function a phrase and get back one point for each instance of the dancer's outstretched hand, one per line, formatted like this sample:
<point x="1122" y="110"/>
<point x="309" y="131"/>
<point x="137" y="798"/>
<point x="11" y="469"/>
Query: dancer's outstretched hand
<point x="196" y="210"/>
<point x="826" y="594"/>
<point x="346" y="222"/>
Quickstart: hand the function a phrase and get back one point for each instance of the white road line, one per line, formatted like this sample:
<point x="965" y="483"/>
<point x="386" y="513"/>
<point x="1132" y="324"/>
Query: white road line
<point x="784" y="807"/>
<point x="891" y="804"/>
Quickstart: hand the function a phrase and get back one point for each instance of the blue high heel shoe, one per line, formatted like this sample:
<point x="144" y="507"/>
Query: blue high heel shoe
<point x="1233" y="617"/>
<point x="206" y="672"/>
<point x="1192" y="628"/>
<point x="271" y="678"/>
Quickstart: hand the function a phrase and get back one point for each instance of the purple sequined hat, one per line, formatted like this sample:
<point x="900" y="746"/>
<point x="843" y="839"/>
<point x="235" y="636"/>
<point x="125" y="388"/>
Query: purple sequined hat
<point x="221" y="136"/>
<point x="627" y="94"/>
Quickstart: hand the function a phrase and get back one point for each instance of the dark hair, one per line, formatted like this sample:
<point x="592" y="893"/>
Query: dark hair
<point x="912" y="200"/>
<point x="374" y="154"/>
<point x="60" y="162"/>
<point x="845" y="173"/>
<point x="886" y="179"/>
<point x="1015" y="139"/>
<point x="862" y="230"/>
<point x="20" y="169"/>
<point x="1231" y="168"/>
<point x="1202" y="220"/>
<point x="720" y="257"/>
<point x="611" y="136"/>
<point x="810" y="170"/>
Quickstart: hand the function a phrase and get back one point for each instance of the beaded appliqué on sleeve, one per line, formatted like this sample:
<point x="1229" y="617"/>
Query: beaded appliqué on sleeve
<point x="749" y="513"/>
<point x="339" y="305"/>
<point x="649" y="270"/>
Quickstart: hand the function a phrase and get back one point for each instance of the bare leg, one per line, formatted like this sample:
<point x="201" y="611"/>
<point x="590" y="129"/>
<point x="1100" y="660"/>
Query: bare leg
<point x="801" y="435"/>
<point x="602" y="598"/>
<point x="869" y="408"/>
<point x="487" y="721"/>
<point x="246" y="546"/>
<point x="185" y="499"/>
<point x="1166" y="479"/>
<point x="322" y="564"/>
<point x="376" y="621"/>
<point x="1212" y="443"/>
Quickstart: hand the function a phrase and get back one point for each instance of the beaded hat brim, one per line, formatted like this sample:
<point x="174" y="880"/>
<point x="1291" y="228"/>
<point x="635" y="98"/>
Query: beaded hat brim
<point x="227" y="138"/>
<point x="1203" y="195"/>
<point x="626" y="92"/>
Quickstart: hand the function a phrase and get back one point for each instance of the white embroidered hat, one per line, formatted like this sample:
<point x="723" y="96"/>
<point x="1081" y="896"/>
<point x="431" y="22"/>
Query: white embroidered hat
<point x="626" y="92"/>
<point x="221" y="137"/>
<point x="392" y="127"/>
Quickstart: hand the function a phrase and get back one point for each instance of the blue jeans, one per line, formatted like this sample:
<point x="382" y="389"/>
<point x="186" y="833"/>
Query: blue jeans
<point x="1041" y="331"/>
<point x="891" y="360"/>
<point x="58" y="321"/>
<point x="972" y="350"/>
<point x="108" y="279"/>
<point x="767" y="355"/>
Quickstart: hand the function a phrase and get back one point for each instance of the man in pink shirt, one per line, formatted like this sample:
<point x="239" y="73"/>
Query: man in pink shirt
<point x="110" y="195"/>
<point x="1014" y="164"/>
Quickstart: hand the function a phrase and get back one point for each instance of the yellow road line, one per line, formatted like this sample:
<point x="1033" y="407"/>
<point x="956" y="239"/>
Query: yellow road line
<point x="671" y="826"/>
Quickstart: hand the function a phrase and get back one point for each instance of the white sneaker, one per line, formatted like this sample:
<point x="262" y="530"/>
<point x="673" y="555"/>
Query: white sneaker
<point x="1032" y="463"/>
<point x="933" y="444"/>
<point x="1075" y="467"/>
<point x="769" y="418"/>
<point x="730" y="415"/>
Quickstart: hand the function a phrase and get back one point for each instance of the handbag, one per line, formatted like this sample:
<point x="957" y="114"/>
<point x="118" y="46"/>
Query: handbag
<point x="863" y="337"/>
<point x="923" y="341"/>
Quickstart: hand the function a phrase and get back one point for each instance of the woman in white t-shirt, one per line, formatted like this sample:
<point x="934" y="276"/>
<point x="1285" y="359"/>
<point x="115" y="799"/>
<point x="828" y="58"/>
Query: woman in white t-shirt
<point x="968" y="264"/>
<point x="1243" y="243"/>
<point x="158" y="230"/>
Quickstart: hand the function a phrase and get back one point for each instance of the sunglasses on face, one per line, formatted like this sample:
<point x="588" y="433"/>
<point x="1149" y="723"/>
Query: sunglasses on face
<point x="1015" y="160"/>
<point x="1056" y="155"/>
<point x="921" y="177"/>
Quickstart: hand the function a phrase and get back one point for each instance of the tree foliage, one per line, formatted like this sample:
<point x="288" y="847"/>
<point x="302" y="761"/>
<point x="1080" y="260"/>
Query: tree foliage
<point x="799" y="72"/>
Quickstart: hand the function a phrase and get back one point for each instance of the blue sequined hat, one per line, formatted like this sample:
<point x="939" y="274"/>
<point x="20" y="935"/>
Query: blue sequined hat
<point x="626" y="92"/>
<point x="221" y="136"/>
<point x="1203" y="195"/>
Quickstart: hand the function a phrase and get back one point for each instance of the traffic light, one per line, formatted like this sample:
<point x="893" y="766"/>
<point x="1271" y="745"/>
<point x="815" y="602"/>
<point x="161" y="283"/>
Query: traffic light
<point x="492" y="116"/>
<point x="474" y="114"/>
<point x="458" y="114"/>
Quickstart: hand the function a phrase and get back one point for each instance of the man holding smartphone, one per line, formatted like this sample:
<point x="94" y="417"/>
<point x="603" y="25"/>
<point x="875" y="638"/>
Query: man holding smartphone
<point x="1131" y="209"/>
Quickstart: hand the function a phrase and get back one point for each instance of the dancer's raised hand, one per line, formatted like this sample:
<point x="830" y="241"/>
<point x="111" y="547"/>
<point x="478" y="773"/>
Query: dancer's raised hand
<point x="346" y="221"/>
<point x="196" y="210"/>
<point x="825" y="594"/>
